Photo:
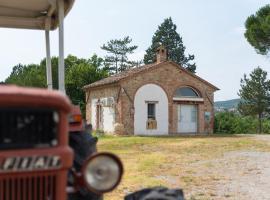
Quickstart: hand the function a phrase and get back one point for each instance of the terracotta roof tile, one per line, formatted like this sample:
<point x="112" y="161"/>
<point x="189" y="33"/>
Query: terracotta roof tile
<point x="117" y="77"/>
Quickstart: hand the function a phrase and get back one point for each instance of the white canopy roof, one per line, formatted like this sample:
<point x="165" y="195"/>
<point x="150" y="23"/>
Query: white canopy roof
<point x="31" y="14"/>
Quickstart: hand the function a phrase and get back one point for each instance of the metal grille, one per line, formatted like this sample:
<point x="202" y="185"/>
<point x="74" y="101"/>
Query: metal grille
<point x="28" y="188"/>
<point x="27" y="127"/>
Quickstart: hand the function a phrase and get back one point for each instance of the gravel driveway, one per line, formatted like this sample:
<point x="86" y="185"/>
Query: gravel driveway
<point x="240" y="175"/>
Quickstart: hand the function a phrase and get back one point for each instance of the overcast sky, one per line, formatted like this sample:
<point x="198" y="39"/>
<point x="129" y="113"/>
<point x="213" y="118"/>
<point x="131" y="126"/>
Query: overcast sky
<point x="211" y="30"/>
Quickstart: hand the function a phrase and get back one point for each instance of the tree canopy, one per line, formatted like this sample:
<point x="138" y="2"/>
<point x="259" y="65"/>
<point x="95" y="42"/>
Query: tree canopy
<point x="79" y="72"/>
<point x="27" y="75"/>
<point x="118" y="50"/>
<point x="167" y="35"/>
<point x="258" y="30"/>
<point x="255" y="95"/>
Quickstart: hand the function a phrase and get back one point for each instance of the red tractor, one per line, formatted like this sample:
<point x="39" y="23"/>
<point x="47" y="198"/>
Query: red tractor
<point x="45" y="152"/>
<point x="35" y="154"/>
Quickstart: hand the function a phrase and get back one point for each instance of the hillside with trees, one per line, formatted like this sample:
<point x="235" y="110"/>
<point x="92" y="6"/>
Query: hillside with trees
<point x="227" y="105"/>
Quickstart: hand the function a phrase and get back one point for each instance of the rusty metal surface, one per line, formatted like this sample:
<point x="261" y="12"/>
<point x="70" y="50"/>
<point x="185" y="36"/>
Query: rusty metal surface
<point x="14" y="96"/>
<point x="33" y="180"/>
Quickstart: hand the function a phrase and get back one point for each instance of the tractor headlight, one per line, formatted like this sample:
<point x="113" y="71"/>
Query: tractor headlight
<point x="102" y="172"/>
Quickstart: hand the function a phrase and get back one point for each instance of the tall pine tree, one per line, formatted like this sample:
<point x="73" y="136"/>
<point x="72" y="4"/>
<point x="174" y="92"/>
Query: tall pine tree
<point x="255" y="95"/>
<point x="167" y="36"/>
<point x="118" y="50"/>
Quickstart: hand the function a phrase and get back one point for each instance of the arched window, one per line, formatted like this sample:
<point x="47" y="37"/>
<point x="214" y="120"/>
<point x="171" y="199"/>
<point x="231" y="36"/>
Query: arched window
<point x="186" y="92"/>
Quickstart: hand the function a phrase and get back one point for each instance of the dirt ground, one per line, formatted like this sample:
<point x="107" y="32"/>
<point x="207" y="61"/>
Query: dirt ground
<point x="240" y="175"/>
<point x="218" y="167"/>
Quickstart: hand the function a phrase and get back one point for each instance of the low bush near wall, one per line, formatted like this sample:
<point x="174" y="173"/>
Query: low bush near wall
<point x="231" y="123"/>
<point x="266" y="126"/>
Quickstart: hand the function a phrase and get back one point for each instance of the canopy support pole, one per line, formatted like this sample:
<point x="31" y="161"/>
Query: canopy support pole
<point x="61" y="64"/>
<point x="48" y="60"/>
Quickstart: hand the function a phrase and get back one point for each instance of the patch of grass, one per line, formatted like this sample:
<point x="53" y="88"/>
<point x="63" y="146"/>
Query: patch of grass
<point x="172" y="161"/>
<point x="187" y="179"/>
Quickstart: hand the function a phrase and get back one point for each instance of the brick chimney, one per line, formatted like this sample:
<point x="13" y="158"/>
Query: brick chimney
<point x="161" y="54"/>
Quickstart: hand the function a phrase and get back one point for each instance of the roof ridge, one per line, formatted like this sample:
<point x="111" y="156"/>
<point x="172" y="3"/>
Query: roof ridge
<point x="120" y="76"/>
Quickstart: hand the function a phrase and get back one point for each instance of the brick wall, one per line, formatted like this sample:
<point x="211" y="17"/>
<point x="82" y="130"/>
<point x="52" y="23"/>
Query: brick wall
<point x="169" y="77"/>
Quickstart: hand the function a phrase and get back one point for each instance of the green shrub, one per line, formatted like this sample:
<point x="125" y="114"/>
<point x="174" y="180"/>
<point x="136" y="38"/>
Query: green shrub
<point x="266" y="126"/>
<point x="231" y="123"/>
<point x="224" y="122"/>
<point x="244" y="124"/>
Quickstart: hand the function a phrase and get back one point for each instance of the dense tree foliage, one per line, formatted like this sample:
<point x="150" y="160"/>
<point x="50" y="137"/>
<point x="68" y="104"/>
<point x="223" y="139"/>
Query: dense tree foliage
<point x="79" y="72"/>
<point x="255" y="95"/>
<point x="27" y="75"/>
<point x="166" y="35"/>
<point x="258" y="30"/>
<point x="118" y="51"/>
<point x="233" y="123"/>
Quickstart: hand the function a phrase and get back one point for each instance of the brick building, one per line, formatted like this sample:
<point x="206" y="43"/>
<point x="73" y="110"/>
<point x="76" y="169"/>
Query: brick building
<point x="156" y="99"/>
